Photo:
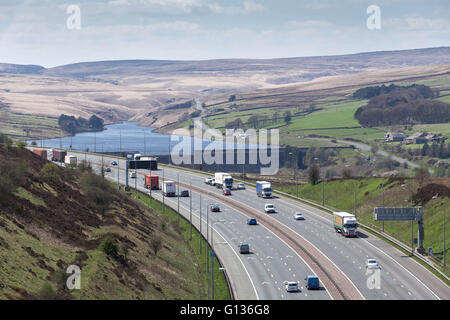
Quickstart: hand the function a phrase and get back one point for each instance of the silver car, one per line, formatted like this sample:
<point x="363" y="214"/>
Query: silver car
<point x="291" y="286"/>
<point x="299" y="216"/>
<point x="372" y="264"/>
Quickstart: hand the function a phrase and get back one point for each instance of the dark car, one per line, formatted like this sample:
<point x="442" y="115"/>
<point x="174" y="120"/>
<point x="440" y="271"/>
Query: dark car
<point x="215" y="208"/>
<point x="252" y="222"/>
<point x="108" y="170"/>
<point x="244" y="248"/>
<point x="114" y="163"/>
<point x="184" y="193"/>
<point x="226" y="192"/>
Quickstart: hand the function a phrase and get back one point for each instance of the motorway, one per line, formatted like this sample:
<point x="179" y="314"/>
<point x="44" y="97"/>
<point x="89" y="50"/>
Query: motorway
<point x="284" y="249"/>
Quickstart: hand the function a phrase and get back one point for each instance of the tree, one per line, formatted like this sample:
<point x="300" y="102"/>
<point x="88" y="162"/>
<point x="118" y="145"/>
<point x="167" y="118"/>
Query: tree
<point x="314" y="174"/>
<point x="425" y="148"/>
<point x="253" y="121"/>
<point x="374" y="149"/>
<point x="232" y="98"/>
<point x="421" y="174"/>
<point x="96" y="122"/>
<point x="287" y="117"/>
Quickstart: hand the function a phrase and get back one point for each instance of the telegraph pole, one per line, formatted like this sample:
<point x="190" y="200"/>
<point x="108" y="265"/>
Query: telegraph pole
<point x="200" y="224"/>
<point x="178" y="178"/>
<point x="190" y="209"/>
<point x="207" y="239"/>
<point x="164" y="206"/>
<point x="444" y="241"/>
<point x="323" y="192"/>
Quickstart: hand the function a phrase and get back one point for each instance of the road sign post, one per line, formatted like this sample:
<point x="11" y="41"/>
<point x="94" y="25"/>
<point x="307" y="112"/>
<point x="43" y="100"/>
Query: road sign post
<point x="404" y="214"/>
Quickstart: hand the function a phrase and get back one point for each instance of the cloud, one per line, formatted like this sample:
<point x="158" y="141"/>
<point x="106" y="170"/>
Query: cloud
<point x="310" y="24"/>
<point x="187" y="6"/>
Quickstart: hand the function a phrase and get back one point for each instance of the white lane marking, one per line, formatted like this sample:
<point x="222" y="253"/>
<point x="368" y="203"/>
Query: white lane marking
<point x="403" y="268"/>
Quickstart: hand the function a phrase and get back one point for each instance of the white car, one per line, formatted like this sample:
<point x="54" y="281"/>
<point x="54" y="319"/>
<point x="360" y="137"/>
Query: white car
<point x="299" y="216"/>
<point x="269" y="208"/>
<point x="372" y="264"/>
<point x="240" y="186"/>
<point x="133" y="175"/>
<point x="291" y="286"/>
<point x="208" y="180"/>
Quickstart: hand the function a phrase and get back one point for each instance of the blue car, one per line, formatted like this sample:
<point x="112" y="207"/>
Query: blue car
<point x="312" y="282"/>
<point x="252" y="221"/>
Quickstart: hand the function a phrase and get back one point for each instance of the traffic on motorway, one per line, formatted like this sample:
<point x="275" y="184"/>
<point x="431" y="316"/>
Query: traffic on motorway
<point x="268" y="265"/>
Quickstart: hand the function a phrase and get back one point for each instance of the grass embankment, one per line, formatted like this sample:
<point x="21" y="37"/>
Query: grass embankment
<point x="339" y="194"/>
<point x="221" y="291"/>
<point x="52" y="217"/>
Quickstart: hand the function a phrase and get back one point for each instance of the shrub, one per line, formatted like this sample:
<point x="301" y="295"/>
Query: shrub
<point x="156" y="244"/>
<point x="47" y="292"/>
<point x="21" y="144"/>
<point x="50" y="172"/>
<point x="109" y="247"/>
<point x="97" y="190"/>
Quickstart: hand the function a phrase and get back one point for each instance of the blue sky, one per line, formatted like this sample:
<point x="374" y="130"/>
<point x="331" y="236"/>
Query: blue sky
<point x="35" y="31"/>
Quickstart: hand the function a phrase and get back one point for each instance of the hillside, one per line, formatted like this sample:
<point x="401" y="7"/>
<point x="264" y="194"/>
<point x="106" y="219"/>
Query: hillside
<point x="52" y="217"/>
<point x="147" y="90"/>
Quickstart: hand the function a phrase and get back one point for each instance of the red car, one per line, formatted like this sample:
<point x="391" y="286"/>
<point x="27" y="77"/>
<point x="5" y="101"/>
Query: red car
<point x="226" y="192"/>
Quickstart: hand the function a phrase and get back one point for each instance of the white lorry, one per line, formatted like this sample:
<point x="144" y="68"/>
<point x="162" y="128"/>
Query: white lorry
<point x="263" y="189"/>
<point x="70" y="160"/>
<point x="169" y="189"/>
<point x="345" y="223"/>
<point x="223" y="180"/>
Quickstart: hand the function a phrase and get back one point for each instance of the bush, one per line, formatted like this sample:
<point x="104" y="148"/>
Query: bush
<point x="21" y="144"/>
<point x="156" y="244"/>
<point x="97" y="190"/>
<point x="109" y="247"/>
<point x="11" y="177"/>
<point x="50" y="172"/>
<point x="47" y="292"/>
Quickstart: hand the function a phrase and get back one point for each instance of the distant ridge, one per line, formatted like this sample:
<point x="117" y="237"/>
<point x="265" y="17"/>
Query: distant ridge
<point x="313" y="67"/>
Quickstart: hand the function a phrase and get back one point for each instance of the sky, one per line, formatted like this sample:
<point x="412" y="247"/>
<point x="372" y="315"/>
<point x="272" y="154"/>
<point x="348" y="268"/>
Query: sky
<point x="56" y="32"/>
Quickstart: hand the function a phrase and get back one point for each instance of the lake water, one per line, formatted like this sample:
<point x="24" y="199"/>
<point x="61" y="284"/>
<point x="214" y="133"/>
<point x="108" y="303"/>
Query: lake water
<point x="125" y="137"/>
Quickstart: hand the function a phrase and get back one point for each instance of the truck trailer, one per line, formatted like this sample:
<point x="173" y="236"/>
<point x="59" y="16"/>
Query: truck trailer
<point x="345" y="223"/>
<point x="263" y="189"/>
<point x="151" y="181"/>
<point x="41" y="153"/>
<point x="169" y="189"/>
<point x="70" y="160"/>
<point x="59" y="155"/>
<point x="223" y="180"/>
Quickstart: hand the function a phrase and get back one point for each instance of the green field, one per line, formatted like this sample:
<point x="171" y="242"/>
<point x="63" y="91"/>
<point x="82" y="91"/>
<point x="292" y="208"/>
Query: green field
<point x="14" y="125"/>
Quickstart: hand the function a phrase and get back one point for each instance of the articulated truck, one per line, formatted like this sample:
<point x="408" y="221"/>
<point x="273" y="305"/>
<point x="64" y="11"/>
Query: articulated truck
<point x="169" y="189"/>
<point x="151" y="181"/>
<point x="345" y="223"/>
<point x="263" y="189"/>
<point x="223" y="180"/>
<point x="58" y="155"/>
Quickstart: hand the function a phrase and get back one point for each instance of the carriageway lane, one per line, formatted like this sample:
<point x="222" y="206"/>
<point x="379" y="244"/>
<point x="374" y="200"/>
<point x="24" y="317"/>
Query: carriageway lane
<point x="272" y="261"/>
<point x="401" y="277"/>
<point x="397" y="281"/>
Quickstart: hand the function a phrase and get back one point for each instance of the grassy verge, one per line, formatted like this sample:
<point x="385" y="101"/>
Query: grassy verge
<point x="220" y="284"/>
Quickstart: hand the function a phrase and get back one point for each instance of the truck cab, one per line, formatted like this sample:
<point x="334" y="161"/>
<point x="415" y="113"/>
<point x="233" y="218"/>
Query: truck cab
<point x="263" y="189"/>
<point x="345" y="223"/>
